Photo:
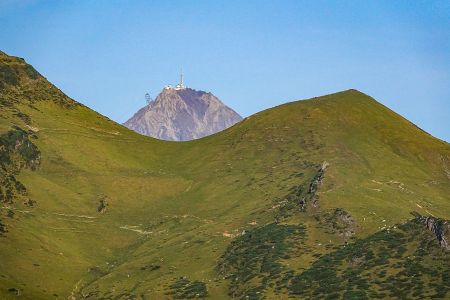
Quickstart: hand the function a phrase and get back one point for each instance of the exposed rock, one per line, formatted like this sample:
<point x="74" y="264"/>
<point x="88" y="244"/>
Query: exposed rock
<point x="182" y="115"/>
<point x="441" y="229"/>
<point x="357" y="261"/>
<point x="14" y="291"/>
<point x="29" y="202"/>
<point x="103" y="205"/>
<point x="340" y="222"/>
<point x="151" y="267"/>
<point x="17" y="151"/>
<point x="318" y="178"/>
<point x="313" y="186"/>
<point x="301" y="197"/>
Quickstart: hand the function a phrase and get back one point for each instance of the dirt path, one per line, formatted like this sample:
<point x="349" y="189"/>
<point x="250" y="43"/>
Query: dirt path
<point x="75" y="216"/>
<point x="136" y="229"/>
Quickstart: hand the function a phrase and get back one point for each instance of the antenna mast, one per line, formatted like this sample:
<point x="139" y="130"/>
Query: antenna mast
<point x="180" y="85"/>
<point x="181" y="78"/>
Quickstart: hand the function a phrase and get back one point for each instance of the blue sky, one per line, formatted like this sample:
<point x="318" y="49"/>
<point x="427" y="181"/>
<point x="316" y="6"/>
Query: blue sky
<point x="252" y="54"/>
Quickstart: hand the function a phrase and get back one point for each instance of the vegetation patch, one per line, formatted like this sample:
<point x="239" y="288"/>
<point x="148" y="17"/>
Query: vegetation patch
<point x="182" y="288"/>
<point x="402" y="263"/>
<point x="7" y="76"/>
<point x="3" y="229"/>
<point x="252" y="262"/>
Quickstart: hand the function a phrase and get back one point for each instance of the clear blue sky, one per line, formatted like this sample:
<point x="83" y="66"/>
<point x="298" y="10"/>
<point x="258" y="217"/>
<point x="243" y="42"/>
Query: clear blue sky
<point x="252" y="54"/>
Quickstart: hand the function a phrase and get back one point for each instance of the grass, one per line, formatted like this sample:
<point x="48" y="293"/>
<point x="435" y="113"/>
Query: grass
<point x="182" y="205"/>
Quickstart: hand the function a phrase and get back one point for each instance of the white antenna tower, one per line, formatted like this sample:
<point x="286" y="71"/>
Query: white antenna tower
<point x="181" y="78"/>
<point x="180" y="85"/>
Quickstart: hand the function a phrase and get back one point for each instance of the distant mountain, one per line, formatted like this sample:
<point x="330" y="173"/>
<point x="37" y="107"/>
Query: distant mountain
<point x="182" y="114"/>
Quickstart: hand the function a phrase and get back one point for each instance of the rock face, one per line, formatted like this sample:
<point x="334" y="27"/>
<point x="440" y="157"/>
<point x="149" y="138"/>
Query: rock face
<point x="441" y="228"/>
<point x="340" y="222"/>
<point x="182" y="115"/>
<point x="313" y="186"/>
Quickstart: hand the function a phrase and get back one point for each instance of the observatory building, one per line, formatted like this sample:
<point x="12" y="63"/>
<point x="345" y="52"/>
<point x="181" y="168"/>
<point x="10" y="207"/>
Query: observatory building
<point x="179" y="86"/>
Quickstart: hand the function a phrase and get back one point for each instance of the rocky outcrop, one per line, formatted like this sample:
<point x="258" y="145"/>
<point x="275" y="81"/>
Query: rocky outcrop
<point x="312" y="189"/>
<point x="340" y="222"/>
<point x="17" y="151"/>
<point x="102" y="205"/>
<point x="182" y="115"/>
<point x="151" y="267"/>
<point x="440" y="228"/>
<point x="302" y="197"/>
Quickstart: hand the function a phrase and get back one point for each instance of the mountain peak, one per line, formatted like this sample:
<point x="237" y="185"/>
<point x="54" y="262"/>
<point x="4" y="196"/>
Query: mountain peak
<point x="15" y="71"/>
<point x="18" y="78"/>
<point x="181" y="114"/>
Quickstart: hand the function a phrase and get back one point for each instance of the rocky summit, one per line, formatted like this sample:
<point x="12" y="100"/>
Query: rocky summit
<point x="182" y="114"/>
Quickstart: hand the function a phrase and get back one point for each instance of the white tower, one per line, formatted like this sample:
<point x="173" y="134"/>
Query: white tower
<point x="180" y="86"/>
<point x="181" y="78"/>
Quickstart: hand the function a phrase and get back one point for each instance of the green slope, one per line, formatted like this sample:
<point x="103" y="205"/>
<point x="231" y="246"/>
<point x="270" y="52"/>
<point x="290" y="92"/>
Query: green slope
<point x="107" y="213"/>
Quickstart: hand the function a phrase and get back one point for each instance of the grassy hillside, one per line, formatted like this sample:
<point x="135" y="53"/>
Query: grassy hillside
<point x="93" y="210"/>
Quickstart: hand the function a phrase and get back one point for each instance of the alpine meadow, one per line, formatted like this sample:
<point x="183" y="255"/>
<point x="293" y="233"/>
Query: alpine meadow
<point x="326" y="198"/>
